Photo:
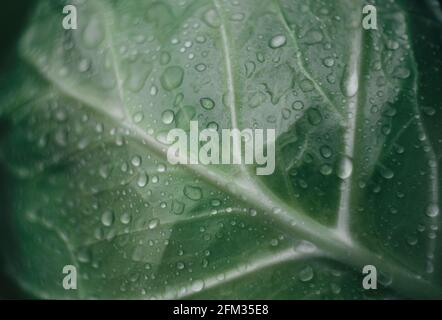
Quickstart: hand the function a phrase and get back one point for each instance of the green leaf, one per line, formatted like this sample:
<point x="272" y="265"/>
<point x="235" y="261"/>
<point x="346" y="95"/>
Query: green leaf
<point x="357" y="117"/>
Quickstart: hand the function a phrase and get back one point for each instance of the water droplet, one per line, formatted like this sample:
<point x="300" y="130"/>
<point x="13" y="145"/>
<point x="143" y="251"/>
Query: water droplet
<point x="161" y="168"/>
<point x="177" y="207"/>
<point x="84" y="65"/>
<point x="298" y="105"/>
<point x="313" y="37"/>
<point x="136" y="161"/>
<point x="328" y="62"/>
<point x="432" y="210"/>
<point x="350" y="82"/>
<point x="167" y="117"/>
<point x="143" y="179"/>
<point x="164" y="58"/>
<point x="207" y="103"/>
<point x="193" y="193"/>
<point x="306" y="274"/>
<point x="180" y="265"/>
<point x="314" y="116"/>
<point x="277" y="41"/>
<point x="345" y="169"/>
<point x="138" y="117"/>
<point x="211" y="18"/>
<point x="172" y="78"/>
<point x="125" y="218"/>
<point x="84" y="255"/>
<point x="197" y="285"/>
<point x="153" y="90"/>
<point x="213" y="126"/>
<point x="386" y="173"/>
<point x="138" y="74"/>
<point x="326" y="151"/>
<point x="107" y="218"/>
<point x="401" y="73"/>
<point x="306" y="85"/>
<point x="250" y="67"/>
<point x="200" y="67"/>
<point x="93" y="33"/>
<point x="153" y="223"/>
<point x="326" y="169"/>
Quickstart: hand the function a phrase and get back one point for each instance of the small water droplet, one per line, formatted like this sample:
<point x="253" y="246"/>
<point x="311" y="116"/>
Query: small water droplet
<point x="328" y="62"/>
<point x="432" y="210"/>
<point x="143" y="179"/>
<point x="197" y="285"/>
<point x="326" y="152"/>
<point x="172" y="78"/>
<point x="138" y="117"/>
<point x="193" y="193"/>
<point x="207" y="103"/>
<point x="211" y="18"/>
<point x="136" y="161"/>
<point x="277" y="41"/>
<point x="153" y="223"/>
<point x="107" y="218"/>
<point x="167" y="117"/>
<point x="125" y="218"/>
<point x="326" y="169"/>
<point x="306" y="274"/>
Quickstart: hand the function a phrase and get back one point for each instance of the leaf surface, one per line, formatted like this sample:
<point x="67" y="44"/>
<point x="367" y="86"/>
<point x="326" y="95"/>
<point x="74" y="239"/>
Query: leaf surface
<point x="358" y="146"/>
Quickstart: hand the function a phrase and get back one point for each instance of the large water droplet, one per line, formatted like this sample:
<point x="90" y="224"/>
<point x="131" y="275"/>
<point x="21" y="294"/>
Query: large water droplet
<point x="207" y="103"/>
<point x="345" y="169"/>
<point x="107" y="218"/>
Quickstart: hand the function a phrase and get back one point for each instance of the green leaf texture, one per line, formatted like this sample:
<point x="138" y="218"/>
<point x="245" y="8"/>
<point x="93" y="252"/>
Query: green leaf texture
<point x="357" y="112"/>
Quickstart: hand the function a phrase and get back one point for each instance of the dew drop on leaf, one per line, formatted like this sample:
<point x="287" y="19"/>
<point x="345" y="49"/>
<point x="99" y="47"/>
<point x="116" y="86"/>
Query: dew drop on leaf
<point x="277" y="41"/>
<point x="136" y="161"/>
<point x="153" y="223"/>
<point x="197" y="285"/>
<point x="346" y="168"/>
<point x="167" y="117"/>
<point x="207" y="103"/>
<point x="432" y="210"/>
<point x="193" y="193"/>
<point x="306" y="274"/>
<point x="107" y="218"/>
<point x="143" y="179"/>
